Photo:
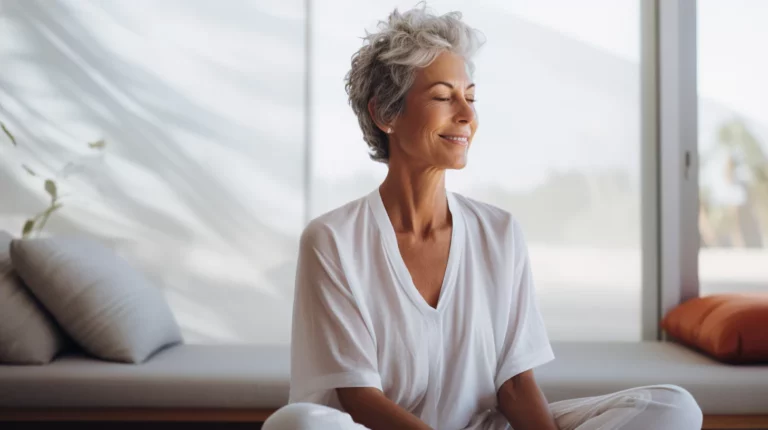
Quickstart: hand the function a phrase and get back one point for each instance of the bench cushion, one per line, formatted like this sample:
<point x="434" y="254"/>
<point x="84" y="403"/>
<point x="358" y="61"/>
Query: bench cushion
<point x="250" y="376"/>
<point x="589" y="369"/>
<point x="181" y="376"/>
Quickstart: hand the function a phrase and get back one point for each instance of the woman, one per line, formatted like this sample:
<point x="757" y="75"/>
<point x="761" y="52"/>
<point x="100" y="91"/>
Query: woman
<point x="414" y="306"/>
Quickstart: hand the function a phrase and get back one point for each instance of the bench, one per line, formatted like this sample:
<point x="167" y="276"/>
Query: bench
<point x="246" y="383"/>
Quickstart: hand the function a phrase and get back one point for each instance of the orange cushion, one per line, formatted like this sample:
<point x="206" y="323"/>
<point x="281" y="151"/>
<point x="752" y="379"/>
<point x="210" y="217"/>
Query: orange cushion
<point x="732" y="328"/>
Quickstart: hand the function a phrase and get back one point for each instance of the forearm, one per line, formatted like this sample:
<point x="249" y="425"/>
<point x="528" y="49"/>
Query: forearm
<point x="524" y="405"/>
<point x="369" y="407"/>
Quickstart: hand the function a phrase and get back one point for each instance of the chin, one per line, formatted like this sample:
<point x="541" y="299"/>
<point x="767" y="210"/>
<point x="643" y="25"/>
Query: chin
<point x="456" y="164"/>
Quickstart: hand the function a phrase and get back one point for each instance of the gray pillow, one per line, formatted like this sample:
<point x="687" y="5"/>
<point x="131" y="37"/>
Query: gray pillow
<point x="106" y="306"/>
<point x="28" y="334"/>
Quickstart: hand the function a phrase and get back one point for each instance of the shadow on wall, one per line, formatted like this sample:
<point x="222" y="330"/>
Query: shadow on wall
<point x="226" y="265"/>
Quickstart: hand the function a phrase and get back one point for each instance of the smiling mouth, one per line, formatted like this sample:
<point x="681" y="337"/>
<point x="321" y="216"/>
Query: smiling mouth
<point x="458" y="140"/>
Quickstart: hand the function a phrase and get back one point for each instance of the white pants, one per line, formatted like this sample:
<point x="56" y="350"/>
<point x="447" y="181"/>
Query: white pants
<point x="653" y="407"/>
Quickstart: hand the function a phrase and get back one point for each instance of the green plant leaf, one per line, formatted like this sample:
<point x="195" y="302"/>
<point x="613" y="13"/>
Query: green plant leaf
<point x="28" y="226"/>
<point x="8" y="133"/>
<point x="53" y="208"/>
<point x="50" y="187"/>
<point x="47" y="215"/>
<point x="30" y="171"/>
<point x="99" y="144"/>
<point x="38" y="216"/>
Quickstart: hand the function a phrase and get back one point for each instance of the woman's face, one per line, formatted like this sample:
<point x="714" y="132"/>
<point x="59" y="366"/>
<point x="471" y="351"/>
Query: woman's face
<point x="439" y="119"/>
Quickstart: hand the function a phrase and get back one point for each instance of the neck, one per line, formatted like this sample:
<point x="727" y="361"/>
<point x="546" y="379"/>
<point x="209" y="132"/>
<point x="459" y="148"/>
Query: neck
<point x="415" y="200"/>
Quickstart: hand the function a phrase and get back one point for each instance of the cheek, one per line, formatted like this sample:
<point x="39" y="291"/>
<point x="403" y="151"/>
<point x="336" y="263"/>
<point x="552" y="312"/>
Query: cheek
<point x="429" y="120"/>
<point x="438" y="116"/>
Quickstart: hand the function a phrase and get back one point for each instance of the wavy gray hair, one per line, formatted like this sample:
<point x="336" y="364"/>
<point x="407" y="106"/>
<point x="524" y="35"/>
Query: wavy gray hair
<point x="384" y="68"/>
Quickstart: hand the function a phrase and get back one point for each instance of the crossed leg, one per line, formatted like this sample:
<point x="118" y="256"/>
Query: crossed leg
<point x="653" y="407"/>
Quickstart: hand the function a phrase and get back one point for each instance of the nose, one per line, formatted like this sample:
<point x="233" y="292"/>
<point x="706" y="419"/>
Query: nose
<point x="465" y="113"/>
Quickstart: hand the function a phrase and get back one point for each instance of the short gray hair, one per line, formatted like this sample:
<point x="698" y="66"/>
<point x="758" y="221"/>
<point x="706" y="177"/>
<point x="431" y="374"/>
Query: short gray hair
<point x="384" y="68"/>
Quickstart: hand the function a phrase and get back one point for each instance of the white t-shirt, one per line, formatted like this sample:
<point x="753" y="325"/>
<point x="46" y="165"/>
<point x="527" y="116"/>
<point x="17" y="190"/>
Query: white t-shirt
<point x="359" y="321"/>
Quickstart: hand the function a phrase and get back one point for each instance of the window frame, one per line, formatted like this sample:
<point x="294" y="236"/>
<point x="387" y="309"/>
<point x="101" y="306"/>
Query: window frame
<point x="670" y="194"/>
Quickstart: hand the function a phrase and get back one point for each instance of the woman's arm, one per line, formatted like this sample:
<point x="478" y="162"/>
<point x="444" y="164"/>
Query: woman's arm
<point x="524" y="405"/>
<point x="369" y="407"/>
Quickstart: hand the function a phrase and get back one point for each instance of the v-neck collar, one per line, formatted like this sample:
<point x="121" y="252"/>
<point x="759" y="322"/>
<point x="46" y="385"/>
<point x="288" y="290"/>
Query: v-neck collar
<point x="398" y="264"/>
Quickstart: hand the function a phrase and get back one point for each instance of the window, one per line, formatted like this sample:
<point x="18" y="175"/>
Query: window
<point x="558" y="143"/>
<point x="733" y="146"/>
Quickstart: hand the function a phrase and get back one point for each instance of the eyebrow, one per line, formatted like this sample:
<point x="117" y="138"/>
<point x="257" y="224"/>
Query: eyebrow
<point x="448" y="85"/>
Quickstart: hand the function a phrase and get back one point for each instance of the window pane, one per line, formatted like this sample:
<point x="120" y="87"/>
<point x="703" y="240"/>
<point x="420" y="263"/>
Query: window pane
<point x="733" y="145"/>
<point x="558" y="143"/>
<point x="200" y="186"/>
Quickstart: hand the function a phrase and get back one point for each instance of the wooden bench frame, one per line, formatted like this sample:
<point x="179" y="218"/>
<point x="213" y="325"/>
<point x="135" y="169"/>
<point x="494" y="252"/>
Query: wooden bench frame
<point x="711" y="422"/>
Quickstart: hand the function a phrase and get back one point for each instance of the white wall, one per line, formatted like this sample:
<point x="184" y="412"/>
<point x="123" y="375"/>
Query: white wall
<point x="201" y="184"/>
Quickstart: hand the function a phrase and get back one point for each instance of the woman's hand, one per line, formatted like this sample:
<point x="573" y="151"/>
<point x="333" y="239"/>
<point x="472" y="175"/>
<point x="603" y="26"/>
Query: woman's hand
<point x="524" y="405"/>
<point x="368" y="406"/>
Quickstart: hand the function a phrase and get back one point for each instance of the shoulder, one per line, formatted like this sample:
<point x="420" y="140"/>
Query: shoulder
<point x="324" y="231"/>
<point x="489" y="220"/>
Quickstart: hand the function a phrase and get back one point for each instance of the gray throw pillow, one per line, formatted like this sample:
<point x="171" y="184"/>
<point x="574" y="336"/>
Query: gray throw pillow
<point x="28" y="334"/>
<point x="106" y="306"/>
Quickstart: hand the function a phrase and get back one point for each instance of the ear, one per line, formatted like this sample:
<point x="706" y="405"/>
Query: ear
<point x="383" y="127"/>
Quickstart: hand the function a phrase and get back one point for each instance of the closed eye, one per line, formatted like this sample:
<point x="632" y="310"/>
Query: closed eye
<point x="448" y="99"/>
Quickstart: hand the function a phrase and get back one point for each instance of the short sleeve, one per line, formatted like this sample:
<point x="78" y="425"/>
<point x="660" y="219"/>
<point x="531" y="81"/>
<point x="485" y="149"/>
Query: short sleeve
<point x="526" y="343"/>
<point x="331" y="346"/>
